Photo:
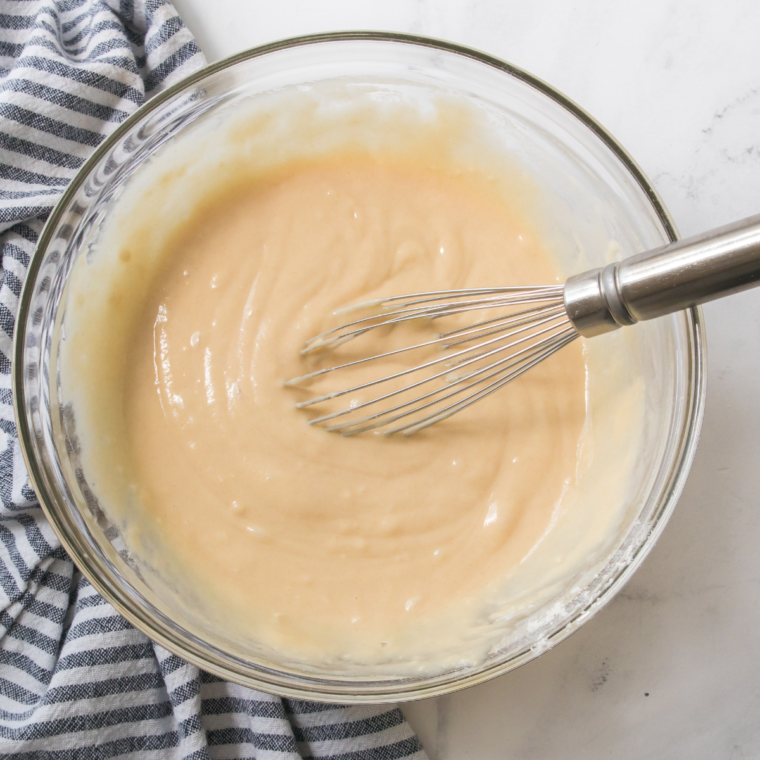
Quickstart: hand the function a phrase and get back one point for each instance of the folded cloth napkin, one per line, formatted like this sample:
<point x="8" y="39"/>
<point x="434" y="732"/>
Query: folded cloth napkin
<point x="76" y="679"/>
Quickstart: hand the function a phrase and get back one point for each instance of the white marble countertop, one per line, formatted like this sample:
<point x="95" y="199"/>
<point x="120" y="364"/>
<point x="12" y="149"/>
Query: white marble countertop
<point x="671" y="667"/>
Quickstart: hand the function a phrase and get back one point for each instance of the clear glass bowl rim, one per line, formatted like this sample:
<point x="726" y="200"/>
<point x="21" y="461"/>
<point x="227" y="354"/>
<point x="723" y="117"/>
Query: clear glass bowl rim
<point x="283" y="683"/>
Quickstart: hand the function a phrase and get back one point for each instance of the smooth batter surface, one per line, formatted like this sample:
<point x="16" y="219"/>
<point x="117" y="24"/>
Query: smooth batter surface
<point x="337" y="552"/>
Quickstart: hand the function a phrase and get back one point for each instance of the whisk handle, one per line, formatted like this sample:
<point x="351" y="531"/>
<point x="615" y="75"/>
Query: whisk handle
<point x="667" y="279"/>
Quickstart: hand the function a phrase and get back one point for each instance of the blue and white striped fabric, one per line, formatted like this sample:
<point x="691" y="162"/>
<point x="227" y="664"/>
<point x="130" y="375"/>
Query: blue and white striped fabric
<point x="76" y="679"/>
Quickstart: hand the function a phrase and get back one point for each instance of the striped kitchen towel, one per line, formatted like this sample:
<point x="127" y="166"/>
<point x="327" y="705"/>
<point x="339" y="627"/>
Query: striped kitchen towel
<point x="76" y="679"/>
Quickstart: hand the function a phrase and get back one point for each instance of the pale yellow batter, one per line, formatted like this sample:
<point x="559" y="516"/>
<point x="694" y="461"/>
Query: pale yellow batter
<point x="336" y="552"/>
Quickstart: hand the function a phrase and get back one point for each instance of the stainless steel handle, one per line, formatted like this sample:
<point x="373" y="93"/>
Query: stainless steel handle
<point x="666" y="279"/>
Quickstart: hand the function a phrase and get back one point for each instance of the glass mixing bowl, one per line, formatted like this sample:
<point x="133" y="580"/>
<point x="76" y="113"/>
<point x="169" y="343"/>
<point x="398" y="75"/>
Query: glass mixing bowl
<point x="598" y="193"/>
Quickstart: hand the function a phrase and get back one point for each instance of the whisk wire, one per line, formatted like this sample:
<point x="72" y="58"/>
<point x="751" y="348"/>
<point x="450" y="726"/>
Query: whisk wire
<point x="464" y="362"/>
<point x="484" y="322"/>
<point x="394" y="318"/>
<point x="535" y="326"/>
<point x="413" y="427"/>
<point x="432" y="295"/>
<point x="417" y="399"/>
<point x="556" y="311"/>
<point x="441" y="339"/>
<point x="503" y="364"/>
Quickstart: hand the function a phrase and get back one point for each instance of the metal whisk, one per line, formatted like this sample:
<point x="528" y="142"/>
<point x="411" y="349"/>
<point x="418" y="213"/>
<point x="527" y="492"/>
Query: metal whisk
<point x="530" y="324"/>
